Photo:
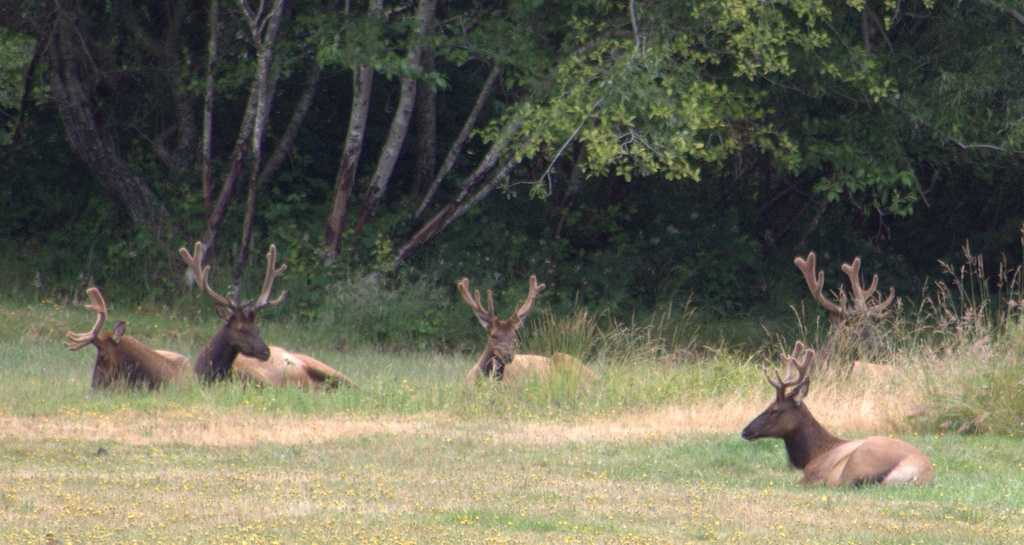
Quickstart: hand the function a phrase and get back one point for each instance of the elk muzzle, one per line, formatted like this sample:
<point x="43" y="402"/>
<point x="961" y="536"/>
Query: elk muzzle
<point x="755" y="429"/>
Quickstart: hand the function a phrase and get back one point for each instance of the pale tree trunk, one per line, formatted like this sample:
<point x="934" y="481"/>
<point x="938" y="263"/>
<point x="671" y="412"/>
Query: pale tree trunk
<point x="400" y="122"/>
<point x="460" y="141"/>
<point x="70" y="68"/>
<point x="426" y="128"/>
<point x="474" y="189"/>
<point x="236" y="165"/>
<point x="207" y="144"/>
<point x="344" y="180"/>
<point x="264" y="28"/>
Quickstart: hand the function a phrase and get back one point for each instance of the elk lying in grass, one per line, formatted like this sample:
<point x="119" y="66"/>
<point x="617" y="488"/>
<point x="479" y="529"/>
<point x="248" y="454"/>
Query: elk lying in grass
<point x="237" y="346"/>
<point x="122" y="359"/>
<point x="499" y="359"/>
<point x="851" y="319"/>
<point x="823" y="457"/>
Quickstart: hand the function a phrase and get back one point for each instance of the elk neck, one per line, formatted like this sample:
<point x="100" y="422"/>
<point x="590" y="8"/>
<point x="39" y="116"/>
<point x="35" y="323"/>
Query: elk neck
<point x="809" y="440"/>
<point x="216" y="359"/>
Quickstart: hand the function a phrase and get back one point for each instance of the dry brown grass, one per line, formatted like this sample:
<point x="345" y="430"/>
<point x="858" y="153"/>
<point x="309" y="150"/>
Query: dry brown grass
<point x="858" y="409"/>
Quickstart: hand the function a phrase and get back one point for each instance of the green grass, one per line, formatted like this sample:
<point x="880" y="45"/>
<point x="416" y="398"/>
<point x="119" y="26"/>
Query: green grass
<point x="44" y="378"/>
<point x="457" y="488"/>
<point x="415" y="456"/>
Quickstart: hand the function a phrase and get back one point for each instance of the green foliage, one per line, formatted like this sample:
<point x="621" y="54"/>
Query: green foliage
<point x="411" y="314"/>
<point x="15" y="53"/>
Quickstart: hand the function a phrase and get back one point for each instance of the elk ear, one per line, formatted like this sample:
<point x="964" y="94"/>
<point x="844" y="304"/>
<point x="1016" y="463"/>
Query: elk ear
<point x="119" y="328"/>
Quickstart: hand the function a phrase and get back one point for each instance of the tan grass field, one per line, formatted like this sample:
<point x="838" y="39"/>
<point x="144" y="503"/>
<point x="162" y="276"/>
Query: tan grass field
<point x="649" y="453"/>
<point x="676" y="474"/>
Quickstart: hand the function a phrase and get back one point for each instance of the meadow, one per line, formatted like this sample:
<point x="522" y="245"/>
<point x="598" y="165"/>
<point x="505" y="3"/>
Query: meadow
<point x="648" y="453"/>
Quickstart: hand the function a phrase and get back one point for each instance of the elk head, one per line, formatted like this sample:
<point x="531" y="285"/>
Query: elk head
<point x="787" y="412"/>
<point x="113" y="361"/>
<point x="850" y="318"/>
<point x="239" y="334"/>
<point x="502" y="334"/>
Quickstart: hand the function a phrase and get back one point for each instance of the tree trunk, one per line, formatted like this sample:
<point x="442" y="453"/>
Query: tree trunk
<point x="460" y="141"/>
<point x="264" y="33"/>
<point x="236" y="165"/>
<point x="207" y="144"/>
<point x="344" y="180"/>
<point x="472" y="192"/>
<point x="440" y="221"/>
<point x="90" y="140"/>
<point x="400" y="122"/>
<point x="426" y="128"/>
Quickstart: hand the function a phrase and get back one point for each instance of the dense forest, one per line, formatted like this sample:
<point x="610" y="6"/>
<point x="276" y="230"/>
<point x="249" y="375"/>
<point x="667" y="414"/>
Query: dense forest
<point x="631" y="153"/>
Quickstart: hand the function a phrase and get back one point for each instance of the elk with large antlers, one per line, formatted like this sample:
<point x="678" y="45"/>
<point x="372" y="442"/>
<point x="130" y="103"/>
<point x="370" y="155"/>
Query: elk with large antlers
<point x="848" y="314"/>
<point x="122" y="359"/>
<point x="237" y="346"/>
<point x="823" y="457"/>
<point x="499" y="359"/>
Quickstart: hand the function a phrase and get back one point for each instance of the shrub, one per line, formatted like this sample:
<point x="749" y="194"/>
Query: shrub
<point x="414" y="314"/>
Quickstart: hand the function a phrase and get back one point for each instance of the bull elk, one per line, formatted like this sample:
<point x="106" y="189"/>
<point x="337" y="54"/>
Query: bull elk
<point x="122" y="359"/>
<point x="237" y="346"/>
<point x="850" y="317"/>
<point x="823" y="457"/>
<point x="499" y="359"/>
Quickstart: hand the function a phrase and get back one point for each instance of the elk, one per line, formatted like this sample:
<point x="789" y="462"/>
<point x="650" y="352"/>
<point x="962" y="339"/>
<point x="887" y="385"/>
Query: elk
<point x="122" y="359"/>
<point x="823" y="457"/>
<point x="237" y="346"/>
<point x="499" y="359"/>
<point x="846" y="316"/>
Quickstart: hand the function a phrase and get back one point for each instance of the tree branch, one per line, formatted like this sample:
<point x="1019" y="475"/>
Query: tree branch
<point x="460" y="141"/>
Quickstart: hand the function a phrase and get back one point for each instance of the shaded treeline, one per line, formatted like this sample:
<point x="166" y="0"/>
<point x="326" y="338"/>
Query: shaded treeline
<point x="630" y="152"/>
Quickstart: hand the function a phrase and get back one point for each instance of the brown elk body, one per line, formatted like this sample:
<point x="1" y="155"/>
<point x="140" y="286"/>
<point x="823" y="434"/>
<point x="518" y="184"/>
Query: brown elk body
<point x="499" y="359"/>
<point x="823" y="457"/>
<point x="122" y="359"/>
<point x="237" y="347"/>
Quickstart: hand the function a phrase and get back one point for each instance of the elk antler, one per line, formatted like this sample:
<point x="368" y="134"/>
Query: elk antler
<point x="484" y="316"/>
<point x="816" y="283"/>
<point x="861" y="296"/>
<point x="268" y="281"/>
<point x="841" y="311"/>
<point x="77" y="341"/>
<point x="527" y="305"/>
<point x="800" y="359"/>
<point x="202" y="274"/>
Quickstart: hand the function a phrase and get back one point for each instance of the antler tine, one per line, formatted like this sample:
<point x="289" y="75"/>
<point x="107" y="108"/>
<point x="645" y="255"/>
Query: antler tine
<point x="881" y="307"/>
<point x="862" y="296"/>
<point x="474" y="303"/>
<point x="816" y="283"/>
<point x="202" y="274"/>
<point x="272" y="272"/>
<point x="801" y="359"/>
<point x="490" y="301"/>
<point x="77" y="341"/>
<point x="776" y="382"/>
<point x="527" y="305"/>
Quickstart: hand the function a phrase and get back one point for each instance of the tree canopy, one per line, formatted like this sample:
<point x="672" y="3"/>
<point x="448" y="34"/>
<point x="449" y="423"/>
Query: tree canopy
<point x="629" y="151"/>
